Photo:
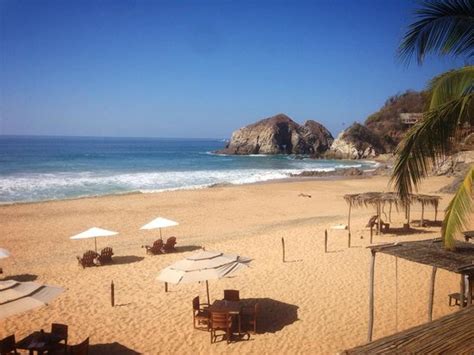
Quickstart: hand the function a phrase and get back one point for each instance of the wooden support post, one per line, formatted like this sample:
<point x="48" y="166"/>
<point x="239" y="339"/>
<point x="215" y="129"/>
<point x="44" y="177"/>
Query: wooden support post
<point x="326" y="241"/>
<point x="349" y="240"/>
<point x="436" y="213"/>
<point x="422" y="221"/>
<point x="166" y="287"/>
<point x="396" y="293"/>
<point x="371" y="296"/>
<point x="283" y="248"/>
<point x="371" y="233"/>
<point x="379" y="219"/>
<point x="408" y="216"/>
<point x="349" y="219"/>
<point x="207" y="292"/>
<point x="462" y="298"/>
<point x="112" y="293"/>
<point x="469" y="293"/>
<point x="431" y="294"/>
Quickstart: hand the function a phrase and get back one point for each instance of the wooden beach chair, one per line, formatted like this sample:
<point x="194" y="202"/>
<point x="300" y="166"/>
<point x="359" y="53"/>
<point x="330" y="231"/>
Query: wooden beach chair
<point x="384" y="227"/>
<point x="232" y="295"/>
<point x="455" y="299"/>
<point x="60" y="331"/>
<point x="88" y="259"/>
<point x="106" y="255"/>
<point x="249" y="317"/>
<point x="80" y="349"/>
<point x="8" y="345"/>
<point x="200" y="314"/>
<point x="220" y="321"/>
<point x="169" y="246"/>
<point x="156" y="248"/>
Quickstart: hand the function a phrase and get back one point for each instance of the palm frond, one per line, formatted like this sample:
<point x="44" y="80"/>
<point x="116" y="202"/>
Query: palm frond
<point x="443" y="27"/>
<point x="451" y="85"/>
<point x="458" y="210"/>
<point x="427" y="142"/>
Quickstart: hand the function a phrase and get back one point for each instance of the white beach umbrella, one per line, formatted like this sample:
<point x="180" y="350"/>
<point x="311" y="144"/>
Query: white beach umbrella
<point x="95" y="233"/>
<point x="17" y="297"/>
<point x="4" y="253"/>
<point x="160" y="222"/>
<point x="203" y="266"/>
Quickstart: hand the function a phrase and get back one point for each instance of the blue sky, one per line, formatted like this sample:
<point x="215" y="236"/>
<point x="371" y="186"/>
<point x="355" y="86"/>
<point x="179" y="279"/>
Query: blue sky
<point x="198" y="68"/>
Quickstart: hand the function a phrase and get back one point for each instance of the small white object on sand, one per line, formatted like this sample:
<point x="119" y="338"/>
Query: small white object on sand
<point x="339" y="226"/>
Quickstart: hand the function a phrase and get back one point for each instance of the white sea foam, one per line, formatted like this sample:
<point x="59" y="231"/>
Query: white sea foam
<point x="47" y="186"/>
<point x="33" y="187"/>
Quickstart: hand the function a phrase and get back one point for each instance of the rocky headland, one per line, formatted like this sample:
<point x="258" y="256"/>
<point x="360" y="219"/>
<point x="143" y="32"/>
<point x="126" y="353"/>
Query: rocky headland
<point x="381" y="132"/>
<point x="376" y="139"/>
<point x="279" y="134"/>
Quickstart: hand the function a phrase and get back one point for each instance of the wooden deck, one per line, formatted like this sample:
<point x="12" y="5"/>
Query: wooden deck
<point x="410" y="118"/>
<point x="451" y="334"/>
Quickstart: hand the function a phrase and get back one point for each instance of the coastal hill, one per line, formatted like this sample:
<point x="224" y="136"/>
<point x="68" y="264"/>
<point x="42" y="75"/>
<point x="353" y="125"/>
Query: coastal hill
<point x="379" y="134"/>
<point x="381" y="131"/>
<point x="279" y="134"/>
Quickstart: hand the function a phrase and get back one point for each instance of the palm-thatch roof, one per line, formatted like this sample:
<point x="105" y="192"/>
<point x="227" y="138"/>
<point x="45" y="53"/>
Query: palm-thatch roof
<point x="380" y="199"/>
<point x="452" y="334"/>
<point x="431" y="252"/>
<point x="375" y="198"/>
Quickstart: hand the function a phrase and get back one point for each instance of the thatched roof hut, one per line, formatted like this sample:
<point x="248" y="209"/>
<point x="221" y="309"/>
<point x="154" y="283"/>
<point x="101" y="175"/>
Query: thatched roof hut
<point x="432" y="253"/>
<point x="380" y="199"/>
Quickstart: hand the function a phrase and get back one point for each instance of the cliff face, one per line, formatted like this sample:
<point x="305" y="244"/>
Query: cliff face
<point x="386" y="123"/>
<point x="279" y="135"/>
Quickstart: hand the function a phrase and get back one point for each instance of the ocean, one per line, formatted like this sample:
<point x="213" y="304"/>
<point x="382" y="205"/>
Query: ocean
<point x="50" y="168"/>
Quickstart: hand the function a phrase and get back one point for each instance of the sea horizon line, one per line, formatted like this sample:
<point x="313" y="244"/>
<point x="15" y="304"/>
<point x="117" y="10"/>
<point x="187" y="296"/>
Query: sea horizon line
<point x="108" y="137"/>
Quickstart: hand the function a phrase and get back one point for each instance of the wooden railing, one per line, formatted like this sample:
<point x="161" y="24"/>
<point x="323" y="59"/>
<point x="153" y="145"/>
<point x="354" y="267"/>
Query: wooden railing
<point x="410" y="118"/>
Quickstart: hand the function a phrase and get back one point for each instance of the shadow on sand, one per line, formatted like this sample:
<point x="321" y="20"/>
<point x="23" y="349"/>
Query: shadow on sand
<point x="427" y="223"/>
<point x="185" y="248"/>
<point x="21" y="277"/>
<point x="404" y="231"/>
<point x="111" y="348"/>
<point x="273" y="315"/>
<point x="125" y="259"/>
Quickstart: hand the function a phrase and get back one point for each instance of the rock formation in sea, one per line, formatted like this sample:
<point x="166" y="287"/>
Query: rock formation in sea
<point x="279" y="134"/>
<point x="351" y="172"/>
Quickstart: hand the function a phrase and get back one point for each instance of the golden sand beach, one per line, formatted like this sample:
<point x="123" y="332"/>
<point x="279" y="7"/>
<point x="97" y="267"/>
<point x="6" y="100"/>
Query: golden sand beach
<point x="317" y="303"/>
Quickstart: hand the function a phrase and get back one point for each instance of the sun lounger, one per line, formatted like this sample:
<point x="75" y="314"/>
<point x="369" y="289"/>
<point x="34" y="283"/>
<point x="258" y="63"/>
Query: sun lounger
<point x="156" y="248"/>
<point x="169" y="246"/>
<point x="90" y="258"/>
<point x="384" y="227"/>
<point x="106" y="255"/>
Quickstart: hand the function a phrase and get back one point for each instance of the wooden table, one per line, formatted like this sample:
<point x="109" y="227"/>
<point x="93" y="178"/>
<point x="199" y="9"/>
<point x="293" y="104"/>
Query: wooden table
<point x="232" y="307"/>
<point x="39" y="342"/>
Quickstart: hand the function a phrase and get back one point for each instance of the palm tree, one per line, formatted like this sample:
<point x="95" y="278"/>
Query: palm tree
<point x="442" y="27"/>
